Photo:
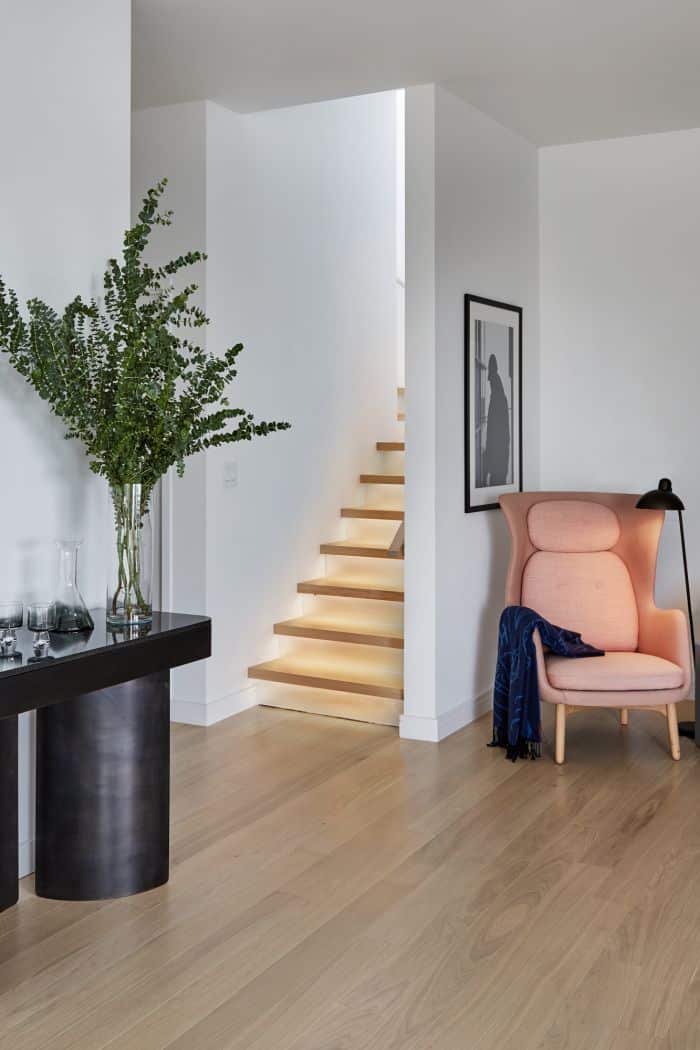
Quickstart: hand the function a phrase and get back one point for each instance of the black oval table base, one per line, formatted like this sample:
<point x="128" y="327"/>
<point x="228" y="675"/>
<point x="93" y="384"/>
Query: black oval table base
<point x="103" y="792"/>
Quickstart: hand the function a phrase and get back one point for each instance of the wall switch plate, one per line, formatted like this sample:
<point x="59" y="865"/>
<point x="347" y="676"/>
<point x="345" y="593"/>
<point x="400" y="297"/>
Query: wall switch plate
<point x="230" y="474"/>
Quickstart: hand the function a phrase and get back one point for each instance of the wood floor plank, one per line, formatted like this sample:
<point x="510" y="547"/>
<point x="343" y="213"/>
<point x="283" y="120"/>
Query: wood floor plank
<point x="235" y="1017"/>
<point x="335" y="888"/>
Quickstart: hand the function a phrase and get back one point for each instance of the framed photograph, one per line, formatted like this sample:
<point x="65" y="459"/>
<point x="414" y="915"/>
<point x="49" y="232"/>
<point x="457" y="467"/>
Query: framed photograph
<point x="493" y="352"/>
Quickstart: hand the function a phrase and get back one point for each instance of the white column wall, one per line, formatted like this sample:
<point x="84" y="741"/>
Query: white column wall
<point x="420" y="566"/>
<point x="483" y="202"/>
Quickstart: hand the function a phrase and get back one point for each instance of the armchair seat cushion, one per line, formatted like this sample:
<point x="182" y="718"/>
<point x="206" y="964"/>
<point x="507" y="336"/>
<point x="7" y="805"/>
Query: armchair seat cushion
<point x="614" y="672"/>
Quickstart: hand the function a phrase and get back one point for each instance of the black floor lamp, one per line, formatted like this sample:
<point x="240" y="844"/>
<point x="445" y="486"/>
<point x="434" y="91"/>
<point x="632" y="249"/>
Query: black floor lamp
<point x="664" y="498"/>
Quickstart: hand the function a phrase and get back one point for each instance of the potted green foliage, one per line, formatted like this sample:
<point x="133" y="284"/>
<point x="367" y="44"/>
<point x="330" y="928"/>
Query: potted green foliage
<point x="129" y="380"/>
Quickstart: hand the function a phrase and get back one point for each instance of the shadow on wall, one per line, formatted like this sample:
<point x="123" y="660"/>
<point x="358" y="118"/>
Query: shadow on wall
<point x="487" y="634"/>
<point x="49" y="480"/>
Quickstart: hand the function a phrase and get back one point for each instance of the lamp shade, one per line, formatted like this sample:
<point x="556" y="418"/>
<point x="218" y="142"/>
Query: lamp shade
<point x="661" y="498"/>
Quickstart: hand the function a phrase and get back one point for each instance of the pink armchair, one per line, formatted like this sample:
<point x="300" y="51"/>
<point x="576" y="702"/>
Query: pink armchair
<point x="587" y="561"/>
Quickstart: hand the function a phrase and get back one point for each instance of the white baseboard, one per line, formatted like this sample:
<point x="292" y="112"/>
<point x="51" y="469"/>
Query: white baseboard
<point x="201" y="713"/>
<point x="432" y="730"/>
<point x="26" y="858"/>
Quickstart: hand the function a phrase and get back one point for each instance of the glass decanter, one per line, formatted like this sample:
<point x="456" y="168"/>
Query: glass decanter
<point x="71" y="611"/>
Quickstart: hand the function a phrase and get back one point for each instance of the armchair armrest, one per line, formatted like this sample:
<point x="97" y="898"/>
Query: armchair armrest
<point x="665" y="633"/>
<point x="547" y="692"/>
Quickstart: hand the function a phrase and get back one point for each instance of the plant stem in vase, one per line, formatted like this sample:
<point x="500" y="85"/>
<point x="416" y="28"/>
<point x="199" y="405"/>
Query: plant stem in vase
<point x="129" y="590"/>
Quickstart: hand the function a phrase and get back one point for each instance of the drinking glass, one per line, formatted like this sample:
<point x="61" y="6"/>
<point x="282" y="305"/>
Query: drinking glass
<point x="41" y="618"/>
<point x="11" y="617"/>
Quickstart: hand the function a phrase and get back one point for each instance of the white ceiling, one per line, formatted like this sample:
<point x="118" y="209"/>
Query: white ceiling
<point x="553" y="70"/>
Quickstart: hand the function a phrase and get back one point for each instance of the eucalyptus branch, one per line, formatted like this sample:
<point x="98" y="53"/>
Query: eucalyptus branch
<point x="123" y="375"/>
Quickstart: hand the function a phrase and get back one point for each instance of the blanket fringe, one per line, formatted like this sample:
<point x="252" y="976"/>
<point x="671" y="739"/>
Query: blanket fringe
<point x="523" y="749"/>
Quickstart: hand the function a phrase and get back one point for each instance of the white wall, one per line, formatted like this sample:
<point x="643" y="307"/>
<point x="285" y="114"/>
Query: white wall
<point x="420" y="566"/>
<point x="400" y="168"/>
<point x="64" y="204"/>
<point x="479" y="213"/>
<point x="170" y="142"/>
<point x="620" y="243"/>
<point x="301" y="239"/>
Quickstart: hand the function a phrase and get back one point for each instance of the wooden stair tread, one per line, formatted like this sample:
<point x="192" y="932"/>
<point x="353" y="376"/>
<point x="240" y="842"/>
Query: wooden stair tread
<point x="347" y="661"/>
<point x="332" y="629"/>
<point x="380" y="513"/>
<point x="353" y="677"/>
<point x="382" y="479"/>
<point x="346" y="586"/>
<point x="358" y="548"/>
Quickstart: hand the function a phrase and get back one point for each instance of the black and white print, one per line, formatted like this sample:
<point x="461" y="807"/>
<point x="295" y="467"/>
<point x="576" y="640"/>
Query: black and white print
<point x="493" y="424"/>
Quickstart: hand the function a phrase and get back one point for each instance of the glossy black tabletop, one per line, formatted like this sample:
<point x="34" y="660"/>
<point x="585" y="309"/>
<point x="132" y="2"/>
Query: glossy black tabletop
<point x="80" y="663"/>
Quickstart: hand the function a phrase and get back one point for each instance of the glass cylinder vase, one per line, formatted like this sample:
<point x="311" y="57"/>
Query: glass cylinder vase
<point x="129" y="586"/>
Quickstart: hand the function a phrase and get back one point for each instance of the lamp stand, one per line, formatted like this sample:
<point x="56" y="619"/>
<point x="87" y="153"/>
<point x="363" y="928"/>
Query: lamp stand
<point x="687" y="728"/>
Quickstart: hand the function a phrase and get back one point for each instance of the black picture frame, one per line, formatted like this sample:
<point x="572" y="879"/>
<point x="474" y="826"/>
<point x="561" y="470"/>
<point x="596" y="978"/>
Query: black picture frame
<point x="475" y="424"/>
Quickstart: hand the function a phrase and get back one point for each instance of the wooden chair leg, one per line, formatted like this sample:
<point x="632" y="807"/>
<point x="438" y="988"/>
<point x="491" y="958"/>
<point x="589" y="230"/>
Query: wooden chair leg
<point x="624" y="716"/>
<point x="673" y="739"/>
<point x="559" y="733"/>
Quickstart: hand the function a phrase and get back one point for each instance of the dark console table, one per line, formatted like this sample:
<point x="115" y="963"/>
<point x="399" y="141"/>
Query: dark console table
<point x="103" y="756"/>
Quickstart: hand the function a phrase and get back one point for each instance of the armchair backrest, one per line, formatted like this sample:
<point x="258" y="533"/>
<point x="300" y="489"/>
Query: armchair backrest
<point x="584" y="560"/>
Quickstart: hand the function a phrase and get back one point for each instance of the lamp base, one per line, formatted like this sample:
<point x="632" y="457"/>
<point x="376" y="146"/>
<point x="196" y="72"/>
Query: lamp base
<point x="687" y="729"/>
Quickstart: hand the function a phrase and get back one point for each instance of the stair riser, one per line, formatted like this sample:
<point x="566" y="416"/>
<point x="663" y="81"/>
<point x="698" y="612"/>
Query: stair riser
<point x="388" y="658"/>
<point x="371" y="613"/>
<point x="389" y="496"/>
<point x="375" y="710"/>
<point x="384" y="572"/>
<point x="378" y="532"/>
<point x="384" y="619"/>
<point x="391" y="463"/>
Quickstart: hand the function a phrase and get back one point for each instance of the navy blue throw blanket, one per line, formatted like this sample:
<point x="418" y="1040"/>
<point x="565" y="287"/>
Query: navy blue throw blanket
<point x="516" y="695"/>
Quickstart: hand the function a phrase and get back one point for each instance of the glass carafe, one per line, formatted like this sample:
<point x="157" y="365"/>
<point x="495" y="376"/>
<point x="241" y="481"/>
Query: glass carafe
<point x="71" y="611"/>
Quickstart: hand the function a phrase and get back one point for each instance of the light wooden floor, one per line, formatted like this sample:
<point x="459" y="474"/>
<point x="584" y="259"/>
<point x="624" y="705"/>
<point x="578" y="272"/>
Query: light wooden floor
<point x="336" y="889"/>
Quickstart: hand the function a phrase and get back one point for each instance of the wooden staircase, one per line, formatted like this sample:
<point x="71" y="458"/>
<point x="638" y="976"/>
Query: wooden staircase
<point x="345" y="653"/>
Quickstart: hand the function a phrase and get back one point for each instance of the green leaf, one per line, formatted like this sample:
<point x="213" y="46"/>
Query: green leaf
<point x="122" y="374"/>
